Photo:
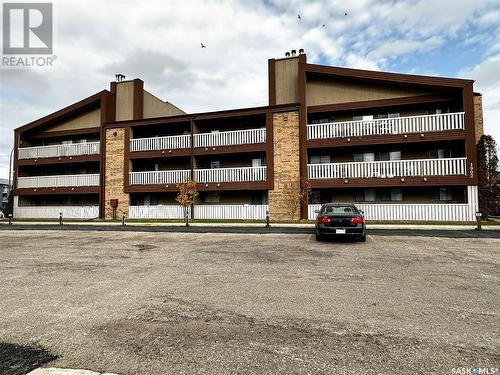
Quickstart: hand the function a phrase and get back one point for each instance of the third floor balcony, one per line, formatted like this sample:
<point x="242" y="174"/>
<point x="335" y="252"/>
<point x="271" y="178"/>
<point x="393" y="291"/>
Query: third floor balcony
<point x="70" y="149"/>
<point x="387" y="126"/>
<point x="160" y="143"/>
<point x="230" y="138"/>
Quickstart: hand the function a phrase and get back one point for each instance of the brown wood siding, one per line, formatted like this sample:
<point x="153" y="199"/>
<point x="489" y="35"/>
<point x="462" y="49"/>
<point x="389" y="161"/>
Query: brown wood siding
<point x="87" y="120"/>
<point x="124" y="101"/>
<point x="286" y="83"/>
<point x="154" y="107"/>
<point x="333" y="91"/>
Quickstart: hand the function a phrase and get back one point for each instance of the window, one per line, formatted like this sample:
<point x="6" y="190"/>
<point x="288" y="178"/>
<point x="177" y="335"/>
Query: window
<point x="366" y="195"/>
<point x="435" y="111"/>
<point x="315" y="197"/>
<point x="442" y="194"/>
<point x="259" y="197"/>
<point x="362" y="118"/>
<point x="387" y="115"/>
<point x="439" y="153"/>
<point x="212" y="197"/>
<point x="214" y="164"/>
<point x="339" y="210"/>
<point x="390" y="155"/>
<point x="319" y="159"/>
<point x="366" y="156"/>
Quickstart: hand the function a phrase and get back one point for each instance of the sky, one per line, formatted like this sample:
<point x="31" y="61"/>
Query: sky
<point x="160" y="42"/>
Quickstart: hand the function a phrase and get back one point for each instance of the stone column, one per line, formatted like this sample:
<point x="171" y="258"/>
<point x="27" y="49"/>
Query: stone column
<point x="283" y="199"/>
<point x="115" y="173"/>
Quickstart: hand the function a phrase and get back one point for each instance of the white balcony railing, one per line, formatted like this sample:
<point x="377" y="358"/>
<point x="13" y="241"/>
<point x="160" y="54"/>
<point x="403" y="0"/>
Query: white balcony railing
<point x="159" y="177"/>
<point x="388" y="169"/>
<point x="230" y="174"/>
<point x="412" y="211"/>
<point x="396" y="125"/>
<point x="235" y="137"/>
<point x="72" y="149"/>
<point x="75" y="180"/>
<point x="160" y="143"/>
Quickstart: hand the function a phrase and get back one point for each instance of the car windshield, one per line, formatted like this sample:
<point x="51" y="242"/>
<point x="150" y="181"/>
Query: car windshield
<point x="335" y="210"/>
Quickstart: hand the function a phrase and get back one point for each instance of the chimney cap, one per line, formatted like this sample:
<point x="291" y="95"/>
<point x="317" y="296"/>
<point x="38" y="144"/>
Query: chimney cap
<point x="301" y="51"/>
<point x="119" y="77"/>
<point x="293" y="52"/>
<point x="287" y="54"/>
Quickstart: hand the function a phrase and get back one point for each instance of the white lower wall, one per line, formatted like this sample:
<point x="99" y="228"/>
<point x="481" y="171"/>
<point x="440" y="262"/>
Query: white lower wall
<point x="417" y="211"/>
<point x="231" y="211"/>
<point x="52" y="212"/>
<point x="156" y="212"/>
<point x="212" y="211"/>
<point x="411" y="212"/>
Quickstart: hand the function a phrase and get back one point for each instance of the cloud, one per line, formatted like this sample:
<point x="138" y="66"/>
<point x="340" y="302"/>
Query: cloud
<point x="488" y="84"/>
<point x="160" y="43"/>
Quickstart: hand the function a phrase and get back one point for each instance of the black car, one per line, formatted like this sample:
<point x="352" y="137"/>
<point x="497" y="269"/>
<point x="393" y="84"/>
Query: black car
<point x="340" y="219"/>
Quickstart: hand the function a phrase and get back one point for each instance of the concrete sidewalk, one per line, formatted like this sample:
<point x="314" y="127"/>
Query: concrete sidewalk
<point x="438" y="227"/>
<point x="290" y="229"/>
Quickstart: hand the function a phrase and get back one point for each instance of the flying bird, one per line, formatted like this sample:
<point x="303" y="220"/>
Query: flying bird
<point x="298" y="16"/>
<point x="345" y="14"/>
<point x="324" y="25"/>
<point x="203" y="46"/>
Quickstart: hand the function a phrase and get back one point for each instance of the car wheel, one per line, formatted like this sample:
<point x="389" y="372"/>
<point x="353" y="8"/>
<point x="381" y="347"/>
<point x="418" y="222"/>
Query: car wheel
<point x="363" y="238"/>
<point x="319" y="237"/>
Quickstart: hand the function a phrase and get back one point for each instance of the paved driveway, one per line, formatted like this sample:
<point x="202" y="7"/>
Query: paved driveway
<point x="181" y="303"/>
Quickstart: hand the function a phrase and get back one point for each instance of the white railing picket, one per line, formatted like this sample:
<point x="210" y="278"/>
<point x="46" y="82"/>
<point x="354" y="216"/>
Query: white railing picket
<point x="160" y="143"/>
<point x="388" y="169"/>
<point x="52" y="212"/>
<point x="231" y="211"/>
<point x="156" y="212"/>
<point x="229" y="138"/>
<point x="159" y="177"/>
<point x="410" y="212"/>
<point x="396" y="125"/>
<point x="230" y="174"/>
<point x="72" y="149"/>
<point x="75" y="180"/>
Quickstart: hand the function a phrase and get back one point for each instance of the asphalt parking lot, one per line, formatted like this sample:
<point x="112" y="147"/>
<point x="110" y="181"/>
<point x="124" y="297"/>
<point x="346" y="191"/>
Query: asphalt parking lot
<point x="184" y="303"/>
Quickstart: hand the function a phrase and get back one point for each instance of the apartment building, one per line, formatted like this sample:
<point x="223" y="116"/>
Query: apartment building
<point x="402" y="147"/>
<point x="4" y="190"/>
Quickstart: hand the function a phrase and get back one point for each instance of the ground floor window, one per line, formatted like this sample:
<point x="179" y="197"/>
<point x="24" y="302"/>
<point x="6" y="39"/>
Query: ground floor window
<point x="391" y="195"/>
<point x="366" y="195"/>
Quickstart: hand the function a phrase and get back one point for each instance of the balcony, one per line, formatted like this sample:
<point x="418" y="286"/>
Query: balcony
<point x="77" y="180"/>
<point x="389" y="169"/>
<point x="159" y="177"/>
<point x="72" y="149"/>
<point x="243" y="174"/>
<point x="230" y="138"/>
<point x="411" y="211"/>
<point x="397" y="125"/>
<point x="160" y="143"/>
